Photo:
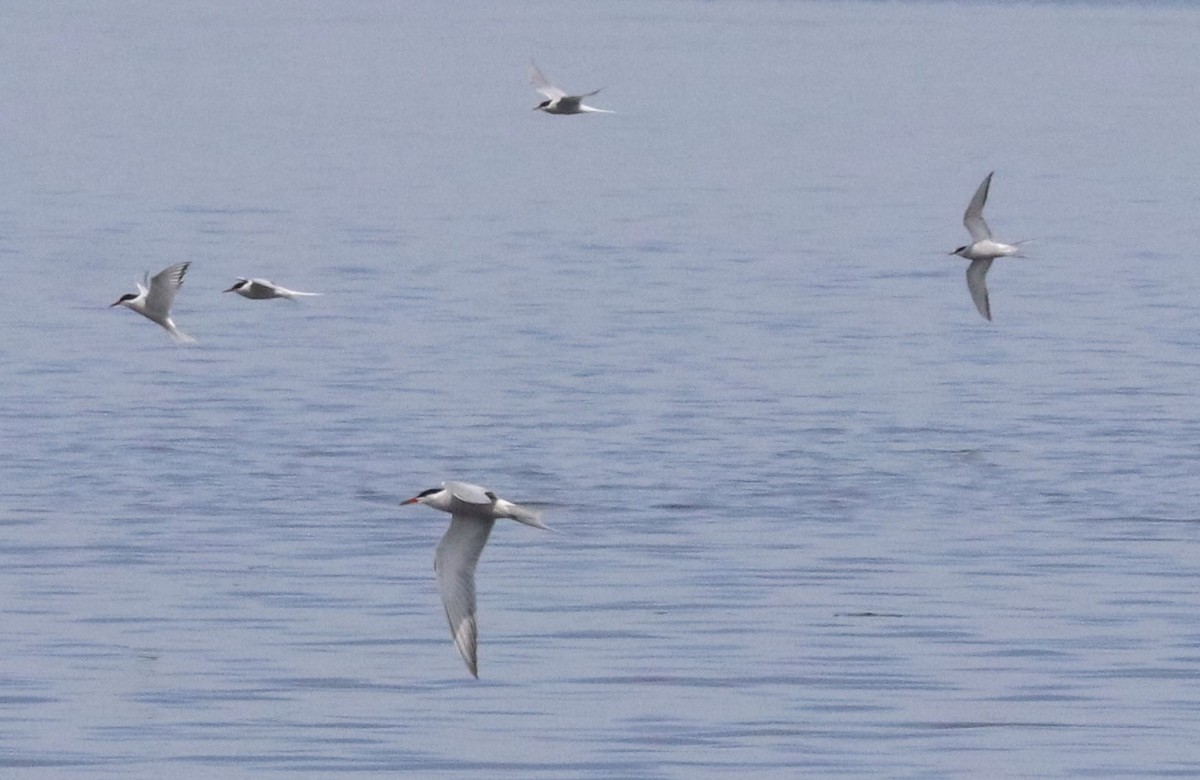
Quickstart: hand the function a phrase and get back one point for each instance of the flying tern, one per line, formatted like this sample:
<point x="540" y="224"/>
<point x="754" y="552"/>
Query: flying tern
<point x="153" y="299"/>
<point x="557" y="101"/>
<point x="473" y="511"/>
<point x="982" y="250"/>
<point x="261" y="289"/>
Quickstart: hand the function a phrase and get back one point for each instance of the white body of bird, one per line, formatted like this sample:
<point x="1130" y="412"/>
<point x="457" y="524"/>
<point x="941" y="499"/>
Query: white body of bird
<point x="264" y="289"/>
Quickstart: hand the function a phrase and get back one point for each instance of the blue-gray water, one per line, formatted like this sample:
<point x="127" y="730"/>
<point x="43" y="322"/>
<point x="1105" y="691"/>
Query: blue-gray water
<point x="815" y="517"/>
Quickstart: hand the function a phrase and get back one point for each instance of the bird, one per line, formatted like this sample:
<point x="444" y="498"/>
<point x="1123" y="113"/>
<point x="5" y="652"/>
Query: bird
<point x="473" y="511"/>
<point x="982" y="250"/>
<point x="261" y="289"/>
<point x="557" y="101"/>
<point x="153" y="299"/>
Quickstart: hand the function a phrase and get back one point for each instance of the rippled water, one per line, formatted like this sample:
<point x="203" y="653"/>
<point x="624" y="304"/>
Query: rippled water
<point x="815" y="517"/>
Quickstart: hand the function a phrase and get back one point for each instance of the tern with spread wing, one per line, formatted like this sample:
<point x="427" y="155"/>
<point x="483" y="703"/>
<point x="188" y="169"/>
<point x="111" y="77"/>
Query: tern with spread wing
<point x="154" y="298"/>
<point x="473" y="511"/>
<point x="982" y="250"/>
<point x="557" y="101"/>
<point x="262" y="289"/>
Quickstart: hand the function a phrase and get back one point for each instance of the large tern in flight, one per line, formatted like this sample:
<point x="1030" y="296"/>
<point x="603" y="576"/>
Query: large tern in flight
<point x="982" y="250"/>
<point x="557" y="101"/>
<point x="473" y="511"/>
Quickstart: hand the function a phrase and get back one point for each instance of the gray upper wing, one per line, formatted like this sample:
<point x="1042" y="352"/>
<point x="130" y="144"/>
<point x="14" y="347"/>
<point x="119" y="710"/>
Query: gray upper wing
<point x="163" y="287"/>
<point x="973" y="217"/>
<point x="542" y="84"/>
<point x="468" y="493"/>
<point x="457" y="555"/>
<point x="977" y="284"/>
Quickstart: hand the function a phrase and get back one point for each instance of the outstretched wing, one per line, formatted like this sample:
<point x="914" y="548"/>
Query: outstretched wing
<point x="457" y="555"/>
<point x="977" y="284"/>
<point x="468" y="493"/>
<point x="973" y="217"/>
<point x="542" y="84"/>
<point x="163" y="287"/>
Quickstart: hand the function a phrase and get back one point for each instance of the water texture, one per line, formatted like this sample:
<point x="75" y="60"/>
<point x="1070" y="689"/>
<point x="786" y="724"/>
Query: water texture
<point x="814" y="516"/>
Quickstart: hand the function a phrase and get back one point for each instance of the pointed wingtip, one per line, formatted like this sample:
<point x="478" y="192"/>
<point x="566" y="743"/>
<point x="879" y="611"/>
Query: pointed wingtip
<point x="531" y="518"/>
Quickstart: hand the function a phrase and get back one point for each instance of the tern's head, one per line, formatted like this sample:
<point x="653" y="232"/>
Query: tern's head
<point x="959" y="251"/>
<point x="238" y="285"/>
<point x="126" y="298"/>
<point x="542" y="106"/>
<point x="425" y="496"/>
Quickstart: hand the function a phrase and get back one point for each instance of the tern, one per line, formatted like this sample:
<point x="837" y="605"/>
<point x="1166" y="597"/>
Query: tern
<point x="982" y="250"/>
<point x="557" y="101"/>
<point x="473" y="511"/>
<point x="261" y="289"/>
<point x="153" y="299"/>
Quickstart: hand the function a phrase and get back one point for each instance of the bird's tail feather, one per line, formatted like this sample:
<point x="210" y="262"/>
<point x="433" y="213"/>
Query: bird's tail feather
<point x="526" y="516"/>
<point x="293" y="295"/>
<point x="180" y="336"/>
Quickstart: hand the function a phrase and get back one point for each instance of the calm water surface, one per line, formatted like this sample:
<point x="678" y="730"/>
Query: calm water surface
<point x="815" y="517"/>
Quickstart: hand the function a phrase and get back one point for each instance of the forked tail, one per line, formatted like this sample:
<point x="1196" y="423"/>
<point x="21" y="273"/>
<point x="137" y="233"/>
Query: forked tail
<point x="522" y="515"/>
<point x="180" y="336"/>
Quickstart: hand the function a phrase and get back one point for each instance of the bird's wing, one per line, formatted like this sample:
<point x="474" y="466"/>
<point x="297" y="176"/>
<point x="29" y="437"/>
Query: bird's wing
<point x="973" y="217"/>
<point x="457" y="555"/>
<point x="977" y="284"/>
<point x="163" y="287"/>
<point x="468" y="493"/>
<point x="542" y="84"/>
